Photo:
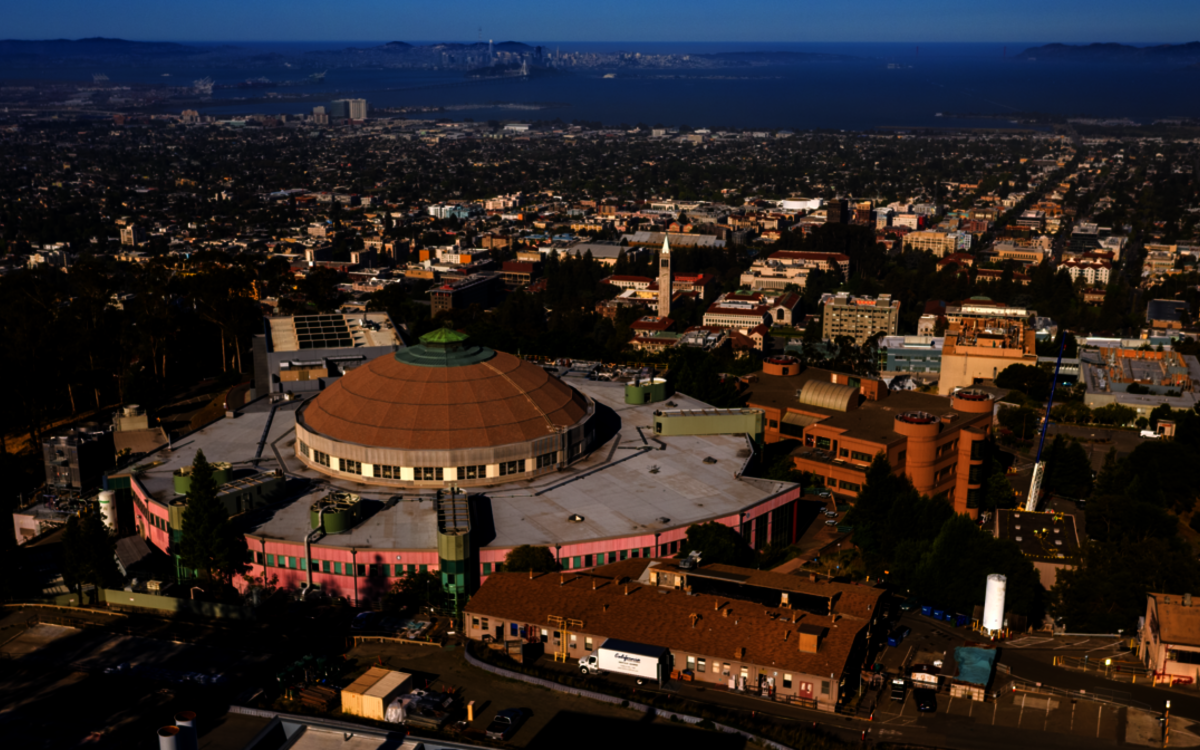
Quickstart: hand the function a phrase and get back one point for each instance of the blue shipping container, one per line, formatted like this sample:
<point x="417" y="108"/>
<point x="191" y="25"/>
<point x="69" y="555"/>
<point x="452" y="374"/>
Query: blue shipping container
<point x="927" y="611"/>
<point x="961" y="620"/>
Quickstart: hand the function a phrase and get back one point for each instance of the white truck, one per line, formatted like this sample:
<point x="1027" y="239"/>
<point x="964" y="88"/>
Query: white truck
<point x="639" y="660"/>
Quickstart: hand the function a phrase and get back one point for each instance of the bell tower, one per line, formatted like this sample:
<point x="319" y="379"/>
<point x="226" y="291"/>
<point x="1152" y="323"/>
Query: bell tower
<point x="664" y="280"/>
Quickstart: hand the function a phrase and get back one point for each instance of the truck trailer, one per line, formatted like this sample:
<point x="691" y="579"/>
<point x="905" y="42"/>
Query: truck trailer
<point x="639" y="660"/>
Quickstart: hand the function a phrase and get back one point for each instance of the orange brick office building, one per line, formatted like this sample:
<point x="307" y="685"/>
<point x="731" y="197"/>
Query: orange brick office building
<point x="843" y="421"/>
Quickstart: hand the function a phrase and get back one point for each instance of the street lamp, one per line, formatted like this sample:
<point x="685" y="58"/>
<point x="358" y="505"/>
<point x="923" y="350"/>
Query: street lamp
<point x="1107" y="668"/>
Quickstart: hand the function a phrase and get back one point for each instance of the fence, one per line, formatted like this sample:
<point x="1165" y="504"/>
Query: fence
<point x="1110" y="697"/>
<point x="1123" y="670"/>
<point x="604" y="698"/>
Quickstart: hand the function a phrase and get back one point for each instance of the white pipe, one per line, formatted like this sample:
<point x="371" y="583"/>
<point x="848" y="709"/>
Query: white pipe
<point x="168" y="738"/>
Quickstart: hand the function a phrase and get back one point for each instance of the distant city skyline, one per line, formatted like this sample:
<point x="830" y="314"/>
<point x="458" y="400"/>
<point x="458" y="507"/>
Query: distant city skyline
<point x="764" y="21"/>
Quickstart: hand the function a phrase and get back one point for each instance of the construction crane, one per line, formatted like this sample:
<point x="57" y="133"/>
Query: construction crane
<point x="1039" y="466"/>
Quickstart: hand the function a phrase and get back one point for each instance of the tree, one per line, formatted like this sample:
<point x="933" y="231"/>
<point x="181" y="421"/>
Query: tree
<point x="209" y="544"/>
<point x="89" y="554"/>
<point x="417" y="590"/>
<point x="717" y="543"/>
<point x="529" y="557"/>
<point x="1068" y="468"/>
<point x="1028" y="379"/>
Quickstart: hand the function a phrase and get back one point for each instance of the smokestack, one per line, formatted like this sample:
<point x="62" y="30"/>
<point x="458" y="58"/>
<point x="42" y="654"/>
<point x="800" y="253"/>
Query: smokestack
<point x="168" y="738"/>
<point x="188" y="738"/>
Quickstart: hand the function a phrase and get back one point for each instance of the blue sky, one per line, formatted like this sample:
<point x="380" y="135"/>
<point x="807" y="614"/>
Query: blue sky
<point x="1129" y="21"/>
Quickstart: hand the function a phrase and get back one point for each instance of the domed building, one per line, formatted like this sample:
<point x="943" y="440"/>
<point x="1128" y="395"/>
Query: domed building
<point x="444" y="412"/>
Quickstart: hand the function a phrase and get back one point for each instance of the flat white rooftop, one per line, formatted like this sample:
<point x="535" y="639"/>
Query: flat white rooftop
<point x="635" y="483"/>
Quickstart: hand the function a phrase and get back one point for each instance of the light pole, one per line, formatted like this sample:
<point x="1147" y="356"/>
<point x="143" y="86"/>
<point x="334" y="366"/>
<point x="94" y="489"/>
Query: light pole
<point x="1107" y="668"/>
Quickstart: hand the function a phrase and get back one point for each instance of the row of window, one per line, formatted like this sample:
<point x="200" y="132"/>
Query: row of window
<point x="158" y="523"/>
<point x="843" y="484"/>
<point x="428" y="473"/>
<point x="380" y="570"/>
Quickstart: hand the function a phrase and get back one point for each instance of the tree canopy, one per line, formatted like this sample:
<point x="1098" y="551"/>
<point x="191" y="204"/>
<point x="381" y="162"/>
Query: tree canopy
<point x="209" y="543"/>
<point x="530" y="557"/>
<point x="717" y="543"/>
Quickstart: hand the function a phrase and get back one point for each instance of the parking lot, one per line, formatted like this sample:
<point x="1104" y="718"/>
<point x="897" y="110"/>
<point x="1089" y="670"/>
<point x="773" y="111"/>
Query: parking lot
<point x="554" y="719"/>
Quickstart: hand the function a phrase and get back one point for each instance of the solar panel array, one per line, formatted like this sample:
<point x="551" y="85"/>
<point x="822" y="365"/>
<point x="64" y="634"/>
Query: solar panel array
<point x="322" y="332"/>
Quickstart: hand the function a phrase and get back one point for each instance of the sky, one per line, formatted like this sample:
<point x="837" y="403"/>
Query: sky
<point x="1069" y="21"/>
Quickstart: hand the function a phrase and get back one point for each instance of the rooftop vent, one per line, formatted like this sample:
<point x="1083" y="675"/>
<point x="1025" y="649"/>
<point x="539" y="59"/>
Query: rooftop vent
<point x="575" y="518"/>
<point x="917" y="417"/>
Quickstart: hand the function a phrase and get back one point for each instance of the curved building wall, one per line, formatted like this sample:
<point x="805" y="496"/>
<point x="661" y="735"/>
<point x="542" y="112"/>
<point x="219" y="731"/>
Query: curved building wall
<point x="464" y="467"/>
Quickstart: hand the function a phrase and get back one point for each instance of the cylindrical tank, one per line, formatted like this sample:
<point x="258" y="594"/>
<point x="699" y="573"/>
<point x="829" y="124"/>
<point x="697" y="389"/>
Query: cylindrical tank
<point x="168" y="738"/>
<point x="108" y="509"/>
<point x="186" y="721"/>
<point x="993" y="603"/>
<point x="647" y="391"/>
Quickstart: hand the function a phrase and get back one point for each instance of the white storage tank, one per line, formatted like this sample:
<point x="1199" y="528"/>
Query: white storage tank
<point x="993" y="603"/>
<point x="108" y="509"/>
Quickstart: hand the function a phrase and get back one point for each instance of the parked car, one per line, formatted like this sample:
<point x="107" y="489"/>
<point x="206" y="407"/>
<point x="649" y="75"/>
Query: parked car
<point x="908" y="605"/>
<point x="824" y="493"/>
<point x="831" y="514"/>
<point x="831" y="522"/>
<point x="899" y="688"/>
<point x="926" y="699"/>
<point x="506" y="724"/>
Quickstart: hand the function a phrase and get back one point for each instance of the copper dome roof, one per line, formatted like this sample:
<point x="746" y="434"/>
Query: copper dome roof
<point x="441" y="395"/>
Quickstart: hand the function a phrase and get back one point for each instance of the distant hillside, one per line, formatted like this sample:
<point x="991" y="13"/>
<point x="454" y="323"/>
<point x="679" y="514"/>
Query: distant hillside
<point x="94" y="47"/>
<point x="777" y="58"/>
<point x="1115" y="53"/>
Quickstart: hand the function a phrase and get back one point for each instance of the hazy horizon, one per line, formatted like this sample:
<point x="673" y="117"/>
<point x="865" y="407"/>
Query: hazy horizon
<point x="625" y="21"/>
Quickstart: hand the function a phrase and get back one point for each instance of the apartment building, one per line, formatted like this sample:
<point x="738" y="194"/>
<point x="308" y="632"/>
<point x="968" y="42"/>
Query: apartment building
<point x="860" y="318"/>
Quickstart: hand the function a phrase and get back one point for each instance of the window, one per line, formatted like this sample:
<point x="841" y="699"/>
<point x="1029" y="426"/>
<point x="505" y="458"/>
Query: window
<point x="849" y="486"/>
<point x="303" y="448"/>
<point x="412" y="568"/>
<point x="474" y="622"/>
<point x="514" y="629"/>
<point x="587" y="561"/>
<point x="860" y="456"/>
<point x="824" y="443"/>
<point x="428" y="473"/>
<point x="547" y="459"/>
<point x="337" y="568"/>
<point x="903" y="455"/>
<point x="472" y="472"/>
<point x="587" y="643"/>
<point x="844" y="452"/>
<point x="321" y="458"/>
<point x="424" y="568"/>
<point x="360" y="570"/>
<point x="485" y="623"/>
<point x="623" y="554"/>
<point x="487" y="569"/>
<point x="512" y="467"/>
<point x="576" y="562"/>
<point x="387" y="472"/>
<point x="1183" y="657"/>
<point x="674" y="547"/>
<point x="292" y="563"/>
<point x="645" y="551"/>
<point x="700" y="665"/>
<point x="787" y="680"/>
<point x="691" y="663"/>
<point x="270" y="561"/>
<point x="258" y="558"/>
<point x="824" y="687"/>
<point x="773" y="423"/>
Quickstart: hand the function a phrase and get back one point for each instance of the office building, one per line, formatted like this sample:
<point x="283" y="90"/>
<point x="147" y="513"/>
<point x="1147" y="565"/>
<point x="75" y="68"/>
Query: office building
<point x="910" y="354"/>
<point x="456" y="292"/>
<point x="976" y="350"/>
<point x="860" y="318"/>
<point x="1170" y="639"/>
<point x="75" y="460"/>
<point x="308" y="353"/>
<point x="844" y="421"/>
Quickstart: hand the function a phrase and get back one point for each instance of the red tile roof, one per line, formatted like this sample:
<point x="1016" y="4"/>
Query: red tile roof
<point x="705" y="625"/>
